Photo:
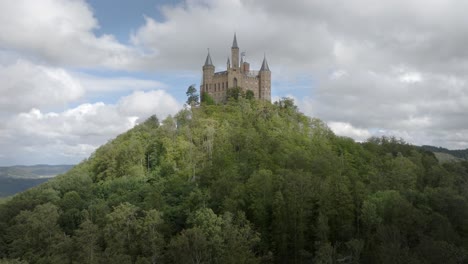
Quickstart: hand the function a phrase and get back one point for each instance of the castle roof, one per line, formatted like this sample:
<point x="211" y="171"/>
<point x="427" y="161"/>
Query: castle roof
<point x="265" y="65"/>
<point x="234" y="42"/>
<point x="208" y="61"/>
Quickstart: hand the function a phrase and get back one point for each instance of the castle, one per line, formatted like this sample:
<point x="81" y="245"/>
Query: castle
<point x="236" y="75"/>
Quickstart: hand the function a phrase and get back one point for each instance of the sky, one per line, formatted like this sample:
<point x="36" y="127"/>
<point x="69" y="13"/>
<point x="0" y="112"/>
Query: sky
<point x="76" y="73"/>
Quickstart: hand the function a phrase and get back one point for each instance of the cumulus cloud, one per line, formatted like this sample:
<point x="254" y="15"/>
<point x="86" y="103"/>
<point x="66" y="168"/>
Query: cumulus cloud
<point x="347" y="130"/>
<point x="144" y="104"/>
<point x="73" y="134"/>
<point x="180" y="39"/>
<point x="60" y="32"/>
<point x="96" y="84"/>
<point x="26" y="85"/>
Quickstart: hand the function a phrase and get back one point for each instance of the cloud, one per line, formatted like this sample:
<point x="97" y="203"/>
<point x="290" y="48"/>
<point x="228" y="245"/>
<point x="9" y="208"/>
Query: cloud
<point x="72" y="135"/>
<point x="180" y="39"/>
<point x="60" y="32"/>
<point x="26" y="85"/>
<point x="99" y="85"/>
<point x="347" y="130"/>
<point x="144" y="104"/>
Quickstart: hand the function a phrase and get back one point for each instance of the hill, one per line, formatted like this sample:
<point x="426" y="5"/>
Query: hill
<point x="33" y="171"/>
<point x="14" y="179"/>
<point x="445" y="155"/>
<point x="245" y="182"/>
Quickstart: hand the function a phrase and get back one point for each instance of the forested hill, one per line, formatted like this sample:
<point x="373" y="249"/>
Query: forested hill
<point x="456" y="154"/>
<point x="246" y="182"/>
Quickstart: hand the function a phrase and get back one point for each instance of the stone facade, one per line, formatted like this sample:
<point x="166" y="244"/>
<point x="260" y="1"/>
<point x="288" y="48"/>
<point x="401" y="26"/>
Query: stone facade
<point x="237" y="74"/>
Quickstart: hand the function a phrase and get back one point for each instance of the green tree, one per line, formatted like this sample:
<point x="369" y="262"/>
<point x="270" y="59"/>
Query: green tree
<point x="190" y="246"/>
<point x="86" y="241"/>
<point x="120" y="233"/>
<point x="249" y="95"/>
<point x="235" y="93"/>
<point x="36" y="235"/>
<point x="192" y="96"/>
<point x="207" y="99"/>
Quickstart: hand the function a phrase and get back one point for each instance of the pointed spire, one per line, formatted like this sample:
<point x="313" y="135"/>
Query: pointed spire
<point x="234" y="42"/>
<point x="265" y="64"/>
<point x="208" y="61"/>
<point x="228" y="61"/>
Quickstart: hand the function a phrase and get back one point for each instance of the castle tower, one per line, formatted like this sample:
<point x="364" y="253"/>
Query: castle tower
<point x="208" y="72"/>
<point x="264" y="81"/>
<point x="235" y="53"/>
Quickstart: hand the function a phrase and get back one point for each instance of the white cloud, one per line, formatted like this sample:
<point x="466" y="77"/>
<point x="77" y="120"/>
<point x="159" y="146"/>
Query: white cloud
<point x="410" y="77"/>
<point x="144" y="104"/>
<point x="180" y="40"/>
<point x="60" y="32"/>
<point x="26" y="85"/>
<point x="347" y="130"/>
<point x="72" y="135"/>
<point x="100" y="85"/>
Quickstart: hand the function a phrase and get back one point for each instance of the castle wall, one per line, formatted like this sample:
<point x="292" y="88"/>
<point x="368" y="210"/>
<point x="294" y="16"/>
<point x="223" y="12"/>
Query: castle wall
<point x="217" y="84"/>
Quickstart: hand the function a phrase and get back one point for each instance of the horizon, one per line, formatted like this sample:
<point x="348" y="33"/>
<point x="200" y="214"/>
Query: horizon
<point x="75" y="74"/>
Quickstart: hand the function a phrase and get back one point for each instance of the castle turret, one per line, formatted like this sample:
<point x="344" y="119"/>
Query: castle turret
<point x="228" y="64"/>
<point x="264" y="89"/>
<point x="208" y="72"/>
<point x="235" y="53"/>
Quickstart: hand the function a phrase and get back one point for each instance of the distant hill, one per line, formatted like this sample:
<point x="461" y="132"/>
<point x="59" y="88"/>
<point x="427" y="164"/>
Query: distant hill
<point x="16" y="179"/>
<point x="445" y="155"/>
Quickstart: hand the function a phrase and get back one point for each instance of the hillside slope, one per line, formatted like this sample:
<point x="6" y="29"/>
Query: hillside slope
<point x="246" y="182"/>
<point x="447" y="154"/>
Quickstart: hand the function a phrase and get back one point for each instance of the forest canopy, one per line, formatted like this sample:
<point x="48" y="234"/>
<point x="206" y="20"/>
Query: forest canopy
<point x="243" y="182"/>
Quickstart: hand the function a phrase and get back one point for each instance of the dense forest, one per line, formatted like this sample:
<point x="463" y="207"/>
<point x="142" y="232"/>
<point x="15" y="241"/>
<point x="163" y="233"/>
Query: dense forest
<point x="243" y="182"/>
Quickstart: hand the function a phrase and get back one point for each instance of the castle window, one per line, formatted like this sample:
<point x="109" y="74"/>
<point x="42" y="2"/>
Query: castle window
<point x="235" y="82"/>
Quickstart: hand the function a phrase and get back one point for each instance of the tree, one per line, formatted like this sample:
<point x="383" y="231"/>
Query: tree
<point x="215" y="239"/>
<point x="152" y="122"/>
<point x="193" y="97"/>
<point x="86" y="240"/>
<point x="207" y="99"/>
<point x="190" y="246"/>
<point x="120" y="232"/>
<point x="249" y="95"/>
<point x="286" y="103"/>
<point x="37" y="236"/>
<point x="235" y="93"/>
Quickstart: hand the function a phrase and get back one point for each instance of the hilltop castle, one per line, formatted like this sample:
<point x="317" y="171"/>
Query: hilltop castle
<point x="236" y="75"/>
